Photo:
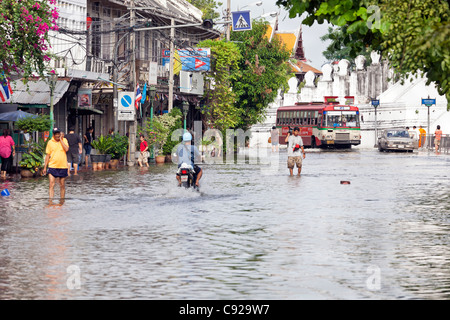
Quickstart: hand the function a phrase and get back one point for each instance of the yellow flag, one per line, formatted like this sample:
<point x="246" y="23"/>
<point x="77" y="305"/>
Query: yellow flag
<point x="176" y="63"/>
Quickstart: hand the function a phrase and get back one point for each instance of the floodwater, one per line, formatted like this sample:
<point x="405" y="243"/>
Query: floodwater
<point x="252" y="232"/>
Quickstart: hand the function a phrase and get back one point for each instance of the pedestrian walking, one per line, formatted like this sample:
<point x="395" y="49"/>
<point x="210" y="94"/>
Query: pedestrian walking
<point x="274" y="137"/>
<point x="295" y="151"/>
<point x="144" y="154"/>
<point x="88" y="138"/>
<point x="7" y="152"/>
<point x="423" y="135"/>
<point x="437" y="138"/>
<point x="75" y="149"/>
<point x="56" y="162"/>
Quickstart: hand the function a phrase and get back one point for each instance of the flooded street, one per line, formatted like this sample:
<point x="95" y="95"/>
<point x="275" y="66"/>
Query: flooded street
<point x="132" y="234"/>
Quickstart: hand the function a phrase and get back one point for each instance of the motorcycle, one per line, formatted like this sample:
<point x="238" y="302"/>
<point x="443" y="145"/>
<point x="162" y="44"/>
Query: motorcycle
<point x="187" y="175"/>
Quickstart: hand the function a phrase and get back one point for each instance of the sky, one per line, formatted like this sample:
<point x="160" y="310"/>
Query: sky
<point x="312" y="44"/>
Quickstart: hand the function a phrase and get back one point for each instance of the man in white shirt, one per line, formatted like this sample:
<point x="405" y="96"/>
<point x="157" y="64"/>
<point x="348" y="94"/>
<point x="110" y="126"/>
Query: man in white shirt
<point x="295" y="151"/>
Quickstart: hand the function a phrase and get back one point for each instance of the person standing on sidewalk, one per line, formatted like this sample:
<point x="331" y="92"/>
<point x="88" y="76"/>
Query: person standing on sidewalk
<point x="56" y="162"/>
<point x="75" y="149"/>
<point x="437" y="138"/>
<point x="6" y="155"/>
<point x="295" y="151"/>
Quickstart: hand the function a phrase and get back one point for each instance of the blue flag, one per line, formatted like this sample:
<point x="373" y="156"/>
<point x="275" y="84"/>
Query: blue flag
<point x="144" y="92"/>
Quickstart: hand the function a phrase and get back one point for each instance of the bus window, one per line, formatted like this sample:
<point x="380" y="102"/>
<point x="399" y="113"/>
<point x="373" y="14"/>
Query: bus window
<point x="297" y="117"/>
<point x="315" y="119"/>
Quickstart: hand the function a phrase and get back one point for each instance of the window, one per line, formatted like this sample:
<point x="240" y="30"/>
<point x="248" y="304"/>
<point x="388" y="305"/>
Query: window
<point x="96" y="37"/>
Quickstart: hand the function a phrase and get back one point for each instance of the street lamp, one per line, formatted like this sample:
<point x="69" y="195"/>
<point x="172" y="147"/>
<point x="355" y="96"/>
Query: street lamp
<point x="152" y="93"/>
<point x="185" y="112"/>
<point x="53" y="79"/>
<point x="258" y="3"/>
<point x="272" y="14"/>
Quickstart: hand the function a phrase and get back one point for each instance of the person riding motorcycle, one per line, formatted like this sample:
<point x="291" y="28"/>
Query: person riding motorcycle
<point x="189" y="154"/>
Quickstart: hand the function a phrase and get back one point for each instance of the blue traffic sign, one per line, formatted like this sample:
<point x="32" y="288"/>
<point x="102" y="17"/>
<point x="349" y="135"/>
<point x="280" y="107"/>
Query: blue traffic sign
<point x="428" y="102"/>
<point x="241" y="21"/>
<point x="126" y="101"/>
<point x="375" y="102"/>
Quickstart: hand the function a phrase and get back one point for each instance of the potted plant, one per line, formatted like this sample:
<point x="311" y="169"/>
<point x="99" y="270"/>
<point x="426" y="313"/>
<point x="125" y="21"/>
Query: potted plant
<point x="119" y="148"/>
<point x="33" y="161"/>
<point x="159" y="130"/>
<point x="102" y="145"/>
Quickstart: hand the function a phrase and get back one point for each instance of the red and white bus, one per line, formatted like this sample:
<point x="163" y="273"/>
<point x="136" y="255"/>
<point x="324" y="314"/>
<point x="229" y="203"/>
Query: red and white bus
<point x="321" y="124"/>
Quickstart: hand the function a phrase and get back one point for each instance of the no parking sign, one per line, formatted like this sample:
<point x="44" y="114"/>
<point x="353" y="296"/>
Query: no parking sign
<point x="126" y="110"/>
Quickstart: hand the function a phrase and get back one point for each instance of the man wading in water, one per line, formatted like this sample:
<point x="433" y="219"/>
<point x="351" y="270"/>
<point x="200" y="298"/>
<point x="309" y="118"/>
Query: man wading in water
<point x="295" y="151"/>
<point x="56" y="162"/>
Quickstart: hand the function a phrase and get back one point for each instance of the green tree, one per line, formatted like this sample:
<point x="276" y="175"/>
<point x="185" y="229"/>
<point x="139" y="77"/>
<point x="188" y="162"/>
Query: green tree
<point x="24" y="28"/>
<point x="208" y="8"/>
<point x="413" y="34"/>
<point x="220" y="111"/>
<point x="338" y="48"/>
<point x="264" y="69"/>
<point x="39" y="123"/>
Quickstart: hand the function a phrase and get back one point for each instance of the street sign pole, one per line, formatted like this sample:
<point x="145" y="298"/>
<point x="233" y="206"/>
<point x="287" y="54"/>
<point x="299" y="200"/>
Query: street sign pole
<point x="375" y="104"/>
<point x="429" y="102"/>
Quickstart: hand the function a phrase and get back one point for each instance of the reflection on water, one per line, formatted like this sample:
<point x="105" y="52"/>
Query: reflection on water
<point x="246" y="235"/>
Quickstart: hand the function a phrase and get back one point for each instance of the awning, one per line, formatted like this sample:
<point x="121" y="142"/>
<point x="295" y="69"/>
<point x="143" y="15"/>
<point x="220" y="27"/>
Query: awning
<point x="37" y="92"/>
<point x="33" y="106"/>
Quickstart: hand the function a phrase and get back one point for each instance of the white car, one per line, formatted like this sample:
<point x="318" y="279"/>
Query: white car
<point x="395" y="140"/>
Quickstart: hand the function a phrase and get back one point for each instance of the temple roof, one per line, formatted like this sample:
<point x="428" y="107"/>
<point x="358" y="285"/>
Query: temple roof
<point x="303" y="67"/>
<point x="294" y="43"/>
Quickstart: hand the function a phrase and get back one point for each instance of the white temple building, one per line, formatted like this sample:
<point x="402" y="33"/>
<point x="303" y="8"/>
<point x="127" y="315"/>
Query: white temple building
<point x="400" y="103"/>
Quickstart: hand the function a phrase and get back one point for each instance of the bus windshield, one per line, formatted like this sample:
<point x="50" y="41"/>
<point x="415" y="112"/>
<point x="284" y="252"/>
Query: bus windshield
<point x="347" y="119"/>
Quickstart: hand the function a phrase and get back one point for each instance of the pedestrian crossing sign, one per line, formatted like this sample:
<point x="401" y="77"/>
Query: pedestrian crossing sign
<point x="241" y="21"/>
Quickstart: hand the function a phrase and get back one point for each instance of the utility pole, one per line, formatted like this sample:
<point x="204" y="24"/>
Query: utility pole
<point x="172" y="53"/>
<point x="133" y="126"/>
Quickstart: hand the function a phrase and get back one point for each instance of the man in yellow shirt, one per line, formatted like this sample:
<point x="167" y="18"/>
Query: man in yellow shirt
<point x="56" y="162"/>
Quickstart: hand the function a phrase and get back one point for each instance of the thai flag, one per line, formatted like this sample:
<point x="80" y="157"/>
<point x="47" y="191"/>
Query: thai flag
<point x="5" y="88"/>
<point x="138" y="97"/>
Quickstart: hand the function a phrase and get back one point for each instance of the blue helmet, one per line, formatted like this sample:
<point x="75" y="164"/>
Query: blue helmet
<point x="187" y="137"/>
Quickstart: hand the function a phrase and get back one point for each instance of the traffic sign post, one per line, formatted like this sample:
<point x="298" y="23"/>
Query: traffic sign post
<point x="126" y="110"/>
<point x="429" y="102"/>
<point x="241" y="21"/>
<point x="375" y="104"/>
